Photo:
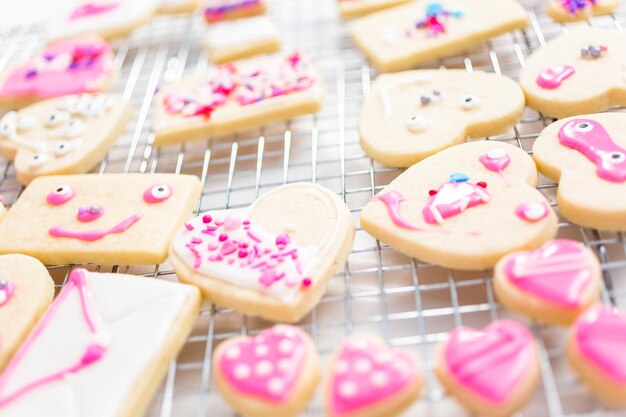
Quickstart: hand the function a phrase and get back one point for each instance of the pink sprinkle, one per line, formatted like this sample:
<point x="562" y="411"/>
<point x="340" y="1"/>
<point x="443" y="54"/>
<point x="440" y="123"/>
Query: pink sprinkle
<point x="227" y="248"/>
<point x="253" y="236"/>
<point x="246" y="222"/>
<point x="223" y="237"/>
<point x="232" y="222"/>
<point x="196" y="240"/>
<point x="207" y="219"/>
<point x="266" y="250"/>
<point x="218" y="222"/>
<point x="231" y="261"/>
<point x="189" y="227"/>
<point x="243" y="253"/>
<point x="243" y="245"/>
<point x="196" y="255"/>
<point x="306" y="282"/>
<point x="213" y="246"/>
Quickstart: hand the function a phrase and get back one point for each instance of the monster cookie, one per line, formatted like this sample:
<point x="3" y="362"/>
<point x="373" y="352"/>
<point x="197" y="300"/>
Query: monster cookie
<point x="101" y="349"/>
<point x="493" y="371"/>
<point x="553" y="284"/>
<point x="218" y="10"/>
<point x="368" y="379"/>
<point x="463" y="208"/>
<point x="70" y="67"/>
<point x="586" y="155"/>
<point x="579" y="72"/>
<point x="66" y="135"/>
<point x="407" y="116"/>
<point x="273" y="373"/>
<point x="106" y="219"/>
<point x="404" y="36"/>
<point x="26" y="291"/>
<point x="178" y="6"/>
<point x="354" y="8"/>
<point x="236" y="97"/>
<point x="272" y="259"/>
<point x="241" y="38"/>
<point x="572" y="10"/>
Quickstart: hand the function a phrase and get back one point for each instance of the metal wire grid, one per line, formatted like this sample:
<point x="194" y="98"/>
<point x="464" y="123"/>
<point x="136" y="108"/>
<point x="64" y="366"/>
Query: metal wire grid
<point x="408" y="303"/>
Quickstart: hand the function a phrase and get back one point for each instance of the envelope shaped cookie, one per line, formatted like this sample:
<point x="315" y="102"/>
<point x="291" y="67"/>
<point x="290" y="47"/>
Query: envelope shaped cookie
<point x="106" y="219"/>
<point x="354" y="8"/>
<point x="217" y="10"/>
<point x="107" y="18"/>
<point x="101" y="349"/>
<point x="68" y="135"/>
<point x="463" y="208"/>
<point x="236" y="97"/>
<point x="404" y="36"/>
<point x="579" y="72"/>
<point x="406" y="118"/>
<point x="573" y="10"/>
<point x="26" y="291"/>
<point x="586" y="155"/>
<point x="69" y="67"/>
<point x="272" y="259"/>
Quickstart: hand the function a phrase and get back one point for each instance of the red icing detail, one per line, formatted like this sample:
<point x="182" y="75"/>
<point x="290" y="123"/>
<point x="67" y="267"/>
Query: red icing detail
<point x="432" y="192"/>
<point x="482" y="184"/>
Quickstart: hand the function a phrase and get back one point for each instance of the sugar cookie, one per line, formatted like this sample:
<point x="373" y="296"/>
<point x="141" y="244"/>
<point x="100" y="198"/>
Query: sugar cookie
<point x="355" y="8"/>
<point x="493" y="371"/>
<point x="3" y="210"/>
<point x="274" y="373"/>
<point x="105" y="219"/>
<point x="101" y="349"/>
<point x="272" y="259"/>
<point x="406" y="118"/>
<point x="573" y="10"/>
<point x="178" y="6"/>
<point x="217" y="10"/>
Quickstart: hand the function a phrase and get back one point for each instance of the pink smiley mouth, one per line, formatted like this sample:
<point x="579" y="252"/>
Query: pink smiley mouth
<point x="92" y="235"/>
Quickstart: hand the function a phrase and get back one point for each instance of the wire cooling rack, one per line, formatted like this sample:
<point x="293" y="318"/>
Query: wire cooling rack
<point x="408" y="303"/>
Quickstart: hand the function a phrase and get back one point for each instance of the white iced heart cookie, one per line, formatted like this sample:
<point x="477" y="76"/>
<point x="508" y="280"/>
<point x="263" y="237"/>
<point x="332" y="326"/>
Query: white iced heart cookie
<point x="354" y="8"/>
<point x="272" y="259"/>
<point x="579" y="72"/>
<point x="586" y="155"/>
<point x="574" y="10"/>
<point x="67" y="135"/>
<point x="406" y="118"/>
<point x="463" y="208"/>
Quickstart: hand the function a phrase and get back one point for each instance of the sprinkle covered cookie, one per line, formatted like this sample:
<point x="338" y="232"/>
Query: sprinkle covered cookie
<point x="573" y="10"/>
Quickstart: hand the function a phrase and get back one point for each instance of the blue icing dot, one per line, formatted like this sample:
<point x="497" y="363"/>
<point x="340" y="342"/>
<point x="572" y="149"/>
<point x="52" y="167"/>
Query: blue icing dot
<point x="433" y="9"/>
<point x="458" y="177"/>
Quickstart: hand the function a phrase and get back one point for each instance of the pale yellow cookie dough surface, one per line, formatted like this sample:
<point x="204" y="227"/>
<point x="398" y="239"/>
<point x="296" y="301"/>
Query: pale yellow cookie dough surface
<point x="178" y="6"/>
<point x="239" y="12"/>
<point x="597" y="85"/>
<point x="478" y="237"/>
<point x="383" y="36"/>
<point x="584" y="197"/>
<point x="396" y="129"/>
<point x="355" y="8"/>
<point x="26" y="228"/>
<point x="3" y="211"/>
<point x="559" y="13"/>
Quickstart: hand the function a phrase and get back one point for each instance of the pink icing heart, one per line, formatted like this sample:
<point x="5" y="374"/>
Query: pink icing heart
<point x="601" y="338"/>
<point x="365" y="373"/>
<point x="490" y="362"/>
<point x="267" y="365"/>
<point x="559" y="271"/>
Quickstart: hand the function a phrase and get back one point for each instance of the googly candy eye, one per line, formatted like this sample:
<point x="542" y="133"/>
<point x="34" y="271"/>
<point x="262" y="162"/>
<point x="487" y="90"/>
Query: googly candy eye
<point x="64" y="147"/>
<point x="56" y="118"/>
<point x="433" y="97"/>
<point x="617" y="157"/>
<point x="60" y="195"/>
<point x="74" y="128"/>
<point x="583" y="127"/>
<point x="470" y="102"/>
<point x="8" y="124"/>
<point x="417" y="123"/>
<point x="157" y="193"/>
<point x="39" y="160"/>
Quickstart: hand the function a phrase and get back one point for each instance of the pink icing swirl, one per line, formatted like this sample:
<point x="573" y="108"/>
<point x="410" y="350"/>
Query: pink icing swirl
<point x="92" y="9"/>
<point x="7" y="289"/>
<point x="553" y="77"/>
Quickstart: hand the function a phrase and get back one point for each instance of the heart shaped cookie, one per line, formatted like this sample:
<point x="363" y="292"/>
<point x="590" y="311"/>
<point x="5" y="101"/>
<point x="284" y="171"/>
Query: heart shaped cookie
<point x="367" y="378"/>
<point x="596" y="352"/>
<point x="272" y="259"/>
<point x="272" y="373"/>
<point x="493" y="371"/>
<point x="553" y="284"/>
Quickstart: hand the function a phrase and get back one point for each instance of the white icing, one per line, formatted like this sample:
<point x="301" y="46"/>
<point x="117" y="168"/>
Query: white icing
<point x="25" y="123"/>
<point x="470" y="102"/>
<point x="417" y="123"/>
<point x="496" y="153"/>
<point x="39" y="160"/>
<point x="57" y="118"/>
<point x="263" y="368"/>
<point x="242" y="371"/>
<point x="239" y="32"/>
<point x="363" y="366"/>
<point x="379" y="379"/>
<point x="535" y="211"/>
<point x="347" y="389"/>
<point x="275" y="385"/>
<point x="385" y="90"/>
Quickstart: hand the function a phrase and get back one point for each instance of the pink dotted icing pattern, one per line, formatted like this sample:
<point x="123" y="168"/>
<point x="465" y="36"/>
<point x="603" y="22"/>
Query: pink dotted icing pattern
<point x="268" y="365"/>
<point x="365" y="373"/>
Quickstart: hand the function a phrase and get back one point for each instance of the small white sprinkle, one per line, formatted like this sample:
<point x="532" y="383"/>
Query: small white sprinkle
<point x="383" y="357"/>
<point x="496" y="153"/>
<point x="242" y="371"/>
<point x="263" y="368"/>
<point x="341" y="367"/>
<point x="363" y="366"/>
<point x="379" y="379"/>
<point x="233" y="352"/>
<point x="285" y="346"/>
<point x="347" y="389"/>
<point x="275" y="386"/>
<point x="261" y="350"/>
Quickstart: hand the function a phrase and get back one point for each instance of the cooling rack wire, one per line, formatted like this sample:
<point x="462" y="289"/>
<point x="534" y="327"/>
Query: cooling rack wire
<point x="408" y="303"/>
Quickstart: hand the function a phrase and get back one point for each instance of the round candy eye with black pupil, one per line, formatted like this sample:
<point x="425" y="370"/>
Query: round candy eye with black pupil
<point x="56" y="118"/>
<point x="417" y="123"/>
<point x="617" y="157"/>
<point x="63" y="148"/>
<point x="157" y="193"/>
<point x="583" y="127"/>
<point x="60" y="195"/>
<point x="39" y="159"/>
<point x="470" y="102"/>
<point x="74" y="128"/>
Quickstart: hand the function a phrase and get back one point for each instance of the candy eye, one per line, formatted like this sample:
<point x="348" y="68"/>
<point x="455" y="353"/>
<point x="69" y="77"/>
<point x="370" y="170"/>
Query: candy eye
<point x="63" y="148"/>
<point x="417" y="123"/>
<point x="433" y="97"/>
<point x="39" y="159"/>
<point x="56" y="118"/>
<point x="470" y="102"/>
<point x="157" y="193"/>
<point x="583" y="127"/>
<point x="617" y="157"/>
<point x="73" y="129"/>
<point x="7" y="124"/>
<point x="25" y="122"/>
<point x="61" y="195"/>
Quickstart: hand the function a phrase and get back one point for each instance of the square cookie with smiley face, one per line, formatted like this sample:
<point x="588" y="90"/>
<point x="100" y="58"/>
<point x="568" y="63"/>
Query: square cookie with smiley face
<point x="107" y="219"/>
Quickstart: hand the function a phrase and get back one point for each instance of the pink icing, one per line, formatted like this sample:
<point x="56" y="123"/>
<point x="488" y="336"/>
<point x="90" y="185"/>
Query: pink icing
<point x="532" y="212"/>
<point x="601" y="338"/>
<point x="266" y="366"/>
<point x="591" y="139"/>
<point x="560" y="271"/>
<point x="91" y="235"/>
<point x="94" y="351"/>
<point x="7" y="289"/>
<point x="490" y="362"/>
<point x="157" y="193"/>
<point x="69" y="67"/>
<point x="453" y="198"/>
<point x="552" y="77"/>
<point x="365" y="373"/>
<point x="216" y="10"/>
<point x="89" y="214"/>
<point x="92" y="9"/>
<point x="392" y="201"/>
<point x="61" y="195"/>
<point x="496" y="160"/>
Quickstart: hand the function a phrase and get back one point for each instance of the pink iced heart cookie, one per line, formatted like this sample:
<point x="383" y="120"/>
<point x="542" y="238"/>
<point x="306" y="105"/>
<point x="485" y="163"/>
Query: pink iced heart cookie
<point x="553" y="284"/>
<point x="492" y="371"/>
<point x="273" y="372"/>
<point x="596" y="352"/>
<point x="369" y="378"/>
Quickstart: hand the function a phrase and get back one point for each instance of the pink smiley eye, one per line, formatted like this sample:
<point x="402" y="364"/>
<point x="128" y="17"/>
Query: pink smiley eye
<point x="61" y="195"/>
<point x="157" y="193"/>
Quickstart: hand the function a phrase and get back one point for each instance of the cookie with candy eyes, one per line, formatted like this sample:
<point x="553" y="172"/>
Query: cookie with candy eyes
<point x="586" y="155"/>
<point x="272" y="259"/>
<point x="492" y="371"/>
<point x="463" y="208"/>
<point x="553" y="284"/>
<point x="573" y="10"/>
<point x="406" y="118"/>
<point x="355" y="8"/>
<point x="68" y="135"/>
<point x="368" y="379"/>
<point x="219" y="10"/>
<point x="579" y="72"/>
<point x="106" y="219"/>
<point x="273" y="373"/>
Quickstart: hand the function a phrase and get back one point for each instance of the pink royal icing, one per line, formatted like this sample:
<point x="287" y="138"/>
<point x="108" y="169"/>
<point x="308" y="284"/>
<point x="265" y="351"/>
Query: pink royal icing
<point x="560" y="271"/>
<point x="553" y="77"/>
<point x="601" y="338"/>
<point x="7" y="289"/>
<point x="392" y="201"/>
<point x="365" y="373"/>
<point x="591" y="139"/>
<point x="490" y="362"/>
<point x="453" y="198"/>
<point x="92" y="235"/>
<point x="92" y="9"/>
<point x="266" y="366"/>
<point x="215" y="10"/>
<point x="89" y="214"/>
<point x="532" y="212"/>
<point x="496" y="160"/>
<point x="157" y="193"/>
<point x="61" y="195"/>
